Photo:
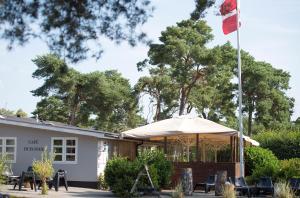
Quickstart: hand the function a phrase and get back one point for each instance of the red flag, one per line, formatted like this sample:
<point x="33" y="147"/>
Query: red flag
<point x="228" y="10"/>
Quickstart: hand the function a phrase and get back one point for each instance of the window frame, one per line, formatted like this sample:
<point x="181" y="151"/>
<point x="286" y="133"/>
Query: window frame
<point x="3" y="146"/>
<point x="64" y="149"/>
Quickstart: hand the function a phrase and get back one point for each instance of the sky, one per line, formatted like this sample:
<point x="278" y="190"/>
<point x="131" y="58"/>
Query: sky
<point x="270" y="32"/>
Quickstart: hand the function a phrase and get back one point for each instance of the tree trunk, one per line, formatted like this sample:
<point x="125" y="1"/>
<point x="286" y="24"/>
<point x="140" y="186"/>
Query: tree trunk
<point x="158" y="110"/>
<point x="74" y="108"/>
<point x="182" y="101"/>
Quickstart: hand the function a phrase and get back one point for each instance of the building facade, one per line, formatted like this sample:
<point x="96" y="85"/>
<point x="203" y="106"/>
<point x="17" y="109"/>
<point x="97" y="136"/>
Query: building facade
<point x="83" y="153"/>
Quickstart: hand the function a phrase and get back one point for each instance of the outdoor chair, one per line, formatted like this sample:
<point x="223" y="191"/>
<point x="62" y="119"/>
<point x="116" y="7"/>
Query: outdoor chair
<point x="60" y="175"/>
<point x="9" y="176"/>
<point x="265" y="186"/>
<point x="230" y="180"/>
<point x="4" y="195"/>
<point x="242" y="187"/>
<point x="295" y="184"/>
<point x="208" y="185"/>
<point x="28" y="175"/>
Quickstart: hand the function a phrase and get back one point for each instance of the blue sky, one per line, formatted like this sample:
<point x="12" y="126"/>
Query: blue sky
<point x="270" y="32"/>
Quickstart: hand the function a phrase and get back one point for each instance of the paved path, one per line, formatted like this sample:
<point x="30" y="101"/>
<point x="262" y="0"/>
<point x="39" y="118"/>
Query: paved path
<point x="75" y="192"/>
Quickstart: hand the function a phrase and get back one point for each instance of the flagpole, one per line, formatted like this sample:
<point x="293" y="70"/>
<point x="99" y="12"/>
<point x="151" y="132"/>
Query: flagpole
<point x="240" y="92"/>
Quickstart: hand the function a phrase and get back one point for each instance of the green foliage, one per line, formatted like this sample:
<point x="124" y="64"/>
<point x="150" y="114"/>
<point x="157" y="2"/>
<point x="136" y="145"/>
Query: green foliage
<point x="52" y="108"/>
<point x="102" y="184"/>
<point x="22" y="114"/>
<point x="7" y="112"/>
<point x="284" y="144"/>
<point x="264" y="93"/>
<point x="289" y="168"/>
<point x="3" y="167"/>
<point x="201" y="8"/>
<point x="260" y="162"/>
<point x="213" y="99"/>
<point x="68" y="26"/>
<point x="102" y="100"/>
<point x="185" y="74"/>
<point x="160" y="88"/>
<point x="158" y="160"/>
<point x="120" y="173"/>
<point x="43" y="168"/>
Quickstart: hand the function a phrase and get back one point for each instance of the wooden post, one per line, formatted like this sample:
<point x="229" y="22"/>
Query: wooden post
<point x="187" y="181"/>
<point x="197" y="147"/>
<point x="220" y="182"/>
<point x="237" y="159"/>
<point x="231" y="149"/>
<point x="203" y="152"/>
<point x="216" y="155"/>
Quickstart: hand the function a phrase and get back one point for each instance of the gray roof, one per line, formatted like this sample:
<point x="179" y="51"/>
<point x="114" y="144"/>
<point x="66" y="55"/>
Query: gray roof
<point x="55" y="126"/>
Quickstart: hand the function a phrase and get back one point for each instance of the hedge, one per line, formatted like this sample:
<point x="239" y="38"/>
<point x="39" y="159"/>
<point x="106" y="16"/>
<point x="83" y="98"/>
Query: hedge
<point x="284" y="144"/>
<point x="259" y="160"/>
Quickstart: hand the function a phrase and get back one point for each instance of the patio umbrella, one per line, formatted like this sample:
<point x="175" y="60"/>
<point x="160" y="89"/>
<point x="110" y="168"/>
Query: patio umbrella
<point x="182" y="125"/>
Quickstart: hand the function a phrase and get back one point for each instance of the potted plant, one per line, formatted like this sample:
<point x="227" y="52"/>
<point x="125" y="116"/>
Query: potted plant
<point x="44" y="169"/>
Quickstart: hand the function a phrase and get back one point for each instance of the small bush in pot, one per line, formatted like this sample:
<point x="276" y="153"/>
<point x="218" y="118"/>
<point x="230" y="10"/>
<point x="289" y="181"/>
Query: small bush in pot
<point x="43" y="168"/>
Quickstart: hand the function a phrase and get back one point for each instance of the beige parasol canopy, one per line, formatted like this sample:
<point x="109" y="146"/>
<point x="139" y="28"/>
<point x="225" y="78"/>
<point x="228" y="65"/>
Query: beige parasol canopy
<point x="183" y="125"/>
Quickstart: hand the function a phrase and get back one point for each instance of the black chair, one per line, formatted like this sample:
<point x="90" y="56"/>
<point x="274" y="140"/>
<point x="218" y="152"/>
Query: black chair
<point x="60" y="175"/>
<point x="265" y="186"/>
<point x="230" y="180"/>
<point x="295" y="184"/>
<point x="4" y="196"/>
<point x="208" y="185"/>
<point x="28" y="175"/>
<point x="242" y="187"/>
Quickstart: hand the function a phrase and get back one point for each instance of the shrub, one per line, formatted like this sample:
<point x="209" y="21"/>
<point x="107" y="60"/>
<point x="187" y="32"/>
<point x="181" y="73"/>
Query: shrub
<point x="44" y="169"/>
<point x="3" y="166"/>
<point x="284" y="144"/>
<point x="120" y="175"/>
<point x="289" y="168"/>
<point x="260" y="159"/>
<point x="283" y="190"/>
<point x="163" y="166"/>
<point x="228" y="191"/>
<point x="102" y="184"/>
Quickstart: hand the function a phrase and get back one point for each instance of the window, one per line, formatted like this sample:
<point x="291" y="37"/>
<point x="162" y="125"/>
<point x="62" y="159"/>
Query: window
<point x="8" y="148"/>
<point x="64" y="149"/>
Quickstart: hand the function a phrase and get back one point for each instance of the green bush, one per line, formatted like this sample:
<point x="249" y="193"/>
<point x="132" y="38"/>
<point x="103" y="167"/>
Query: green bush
<point x="284" y="144"/>
<point x="259" y="161"/>
<point x="3" y="167"/>
<point x="161" y="164"/>
<point x="120" y="173"/>
<point x="44" y="169"/>
<point x="289" y="169"/>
